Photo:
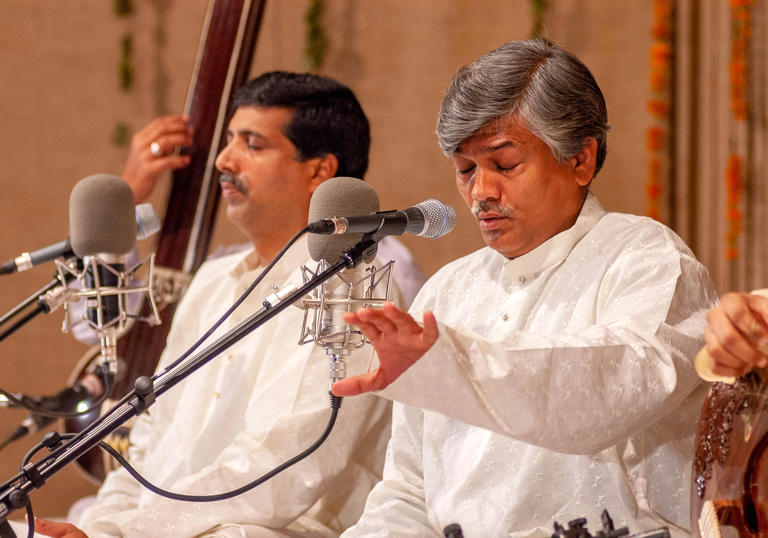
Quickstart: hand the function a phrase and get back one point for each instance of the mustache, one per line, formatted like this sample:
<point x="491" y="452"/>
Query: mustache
<point x="485" y="206"/>
<point x="226" y="177"/>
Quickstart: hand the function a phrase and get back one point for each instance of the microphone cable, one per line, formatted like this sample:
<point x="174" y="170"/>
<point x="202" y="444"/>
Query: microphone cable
<point x="238" y="301"/>
<point x="99" y="420"/>
<point x="336" y="402"/>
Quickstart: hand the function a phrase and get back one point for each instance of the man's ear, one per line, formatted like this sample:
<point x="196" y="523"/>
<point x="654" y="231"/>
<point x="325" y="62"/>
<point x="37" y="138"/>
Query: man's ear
<point x="323" y="168"/>
<point x="585" y="161"/>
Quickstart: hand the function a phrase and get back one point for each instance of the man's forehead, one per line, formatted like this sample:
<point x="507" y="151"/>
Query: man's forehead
<point x="254" y="114"/>
<point x="257" y="121"/>
<point x="500" y="133"/>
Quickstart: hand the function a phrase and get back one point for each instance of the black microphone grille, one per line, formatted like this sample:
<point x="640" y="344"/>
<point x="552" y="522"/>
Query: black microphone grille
<point x="439" y="218"/>
<point x="102" y="218"/>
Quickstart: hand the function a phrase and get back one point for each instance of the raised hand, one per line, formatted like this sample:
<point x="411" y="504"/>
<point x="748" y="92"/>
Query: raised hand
<point x="399" y="342"/>
<point x="153" y="152"/>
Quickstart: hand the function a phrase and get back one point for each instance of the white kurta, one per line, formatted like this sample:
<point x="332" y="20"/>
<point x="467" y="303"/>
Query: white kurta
<point x="561" y="384"/>
<point x="260" y="403"/>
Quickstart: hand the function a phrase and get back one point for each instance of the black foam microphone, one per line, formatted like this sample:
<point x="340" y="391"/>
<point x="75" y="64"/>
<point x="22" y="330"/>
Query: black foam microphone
<point x="430" y="218"/>
<point x="147" y="224"/>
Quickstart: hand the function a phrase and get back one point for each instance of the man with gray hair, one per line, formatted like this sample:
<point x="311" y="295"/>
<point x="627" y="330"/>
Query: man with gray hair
<point x="559" y="381"/>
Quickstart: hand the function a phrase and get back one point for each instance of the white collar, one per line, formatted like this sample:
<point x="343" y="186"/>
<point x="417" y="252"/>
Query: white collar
<point x="555" y="249"/>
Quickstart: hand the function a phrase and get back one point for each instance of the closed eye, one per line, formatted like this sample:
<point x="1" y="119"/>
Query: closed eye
<point x="501" y="168"/>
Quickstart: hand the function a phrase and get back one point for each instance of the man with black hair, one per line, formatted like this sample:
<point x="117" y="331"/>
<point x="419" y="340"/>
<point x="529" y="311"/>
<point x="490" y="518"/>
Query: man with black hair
<point x="265" y="400"/>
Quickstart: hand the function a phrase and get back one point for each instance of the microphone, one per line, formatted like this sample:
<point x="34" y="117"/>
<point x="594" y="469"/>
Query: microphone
<point x="350" y="289"/>
<point x="430" y="218"/>
<point x="102" y="224"/>
<point x="147" y="224"/>
<point x="102" y="227"/>
<point x="339" y="195"/>
<point x="66" y="401"/>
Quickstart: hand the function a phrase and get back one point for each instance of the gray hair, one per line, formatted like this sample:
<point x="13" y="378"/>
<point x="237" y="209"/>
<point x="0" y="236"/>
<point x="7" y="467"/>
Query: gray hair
<point x="535" y="81"/>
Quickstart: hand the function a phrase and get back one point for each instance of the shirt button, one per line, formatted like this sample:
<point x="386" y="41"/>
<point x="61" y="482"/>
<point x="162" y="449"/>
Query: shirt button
<point x="522" y="280"/>
<point x="505" y="317"/>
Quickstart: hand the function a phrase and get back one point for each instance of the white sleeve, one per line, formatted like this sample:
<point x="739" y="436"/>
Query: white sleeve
<point x="396" y="507"/>
<point x="617" y="376"/>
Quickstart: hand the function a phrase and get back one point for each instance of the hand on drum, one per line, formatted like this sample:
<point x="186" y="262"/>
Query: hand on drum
<point x="737" y="334"/>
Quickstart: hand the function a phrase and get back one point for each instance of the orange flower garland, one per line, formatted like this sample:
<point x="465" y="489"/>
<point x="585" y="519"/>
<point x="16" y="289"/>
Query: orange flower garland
<point x="738" y="70"/>
<point x="659" y="105"/>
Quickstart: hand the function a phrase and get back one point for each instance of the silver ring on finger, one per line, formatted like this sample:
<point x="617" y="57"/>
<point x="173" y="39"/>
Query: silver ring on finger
<point x="155" y="149"/>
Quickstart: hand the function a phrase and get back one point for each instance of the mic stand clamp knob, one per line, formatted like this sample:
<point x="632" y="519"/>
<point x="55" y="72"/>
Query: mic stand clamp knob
<point x="145" y="394"/>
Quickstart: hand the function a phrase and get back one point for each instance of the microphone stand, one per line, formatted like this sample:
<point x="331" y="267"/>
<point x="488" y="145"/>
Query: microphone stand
<point x="14" y="494"/>
<point x="41" y="307"/>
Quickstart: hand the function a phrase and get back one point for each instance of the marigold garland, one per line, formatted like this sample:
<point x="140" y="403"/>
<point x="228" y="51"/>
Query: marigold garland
<point x="738" y="71"/>
<point x="659" y="106"/>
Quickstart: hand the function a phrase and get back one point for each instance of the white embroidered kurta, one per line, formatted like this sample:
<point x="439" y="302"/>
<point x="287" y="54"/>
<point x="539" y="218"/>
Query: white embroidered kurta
<point x="561" y="384"/>
<point x="260" y="403"/>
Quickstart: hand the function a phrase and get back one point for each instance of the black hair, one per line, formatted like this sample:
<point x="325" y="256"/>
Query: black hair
<point x="326" y="116"/>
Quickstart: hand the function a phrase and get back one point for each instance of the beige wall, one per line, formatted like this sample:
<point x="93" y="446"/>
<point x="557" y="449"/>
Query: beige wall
<point x="60" y="101"/>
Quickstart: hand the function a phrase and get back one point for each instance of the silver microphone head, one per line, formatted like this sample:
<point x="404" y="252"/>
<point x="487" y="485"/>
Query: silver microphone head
<point x="439" y="218"/>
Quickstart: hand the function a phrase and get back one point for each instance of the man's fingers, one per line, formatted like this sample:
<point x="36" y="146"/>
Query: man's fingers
<point x="430" y="327"/>
<point x="57" y="529"/>
<point x="726" y="339"/>
<point x="740" y="360"/>
<point x="164" y="124"/>
<point x="352" y="386"/>
<point x="172" y="162"/>
<point x="743" y="312"/>
<point x="169" y="142"/>
<point x="401" y="319"/>
<point x="758" y="303"/>
<point x="378" y="319"/>
<point x="368" y="329"/>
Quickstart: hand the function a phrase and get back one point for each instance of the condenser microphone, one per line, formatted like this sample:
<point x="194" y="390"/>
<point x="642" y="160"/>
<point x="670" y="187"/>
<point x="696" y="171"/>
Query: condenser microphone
<point x="102" y="227"/>
<point x="147" y="224"/>
<point x="430" y="218"/>
<point x="349" y="290"/>
<point x="102" y="217"/>
<point x="339" y="196"/>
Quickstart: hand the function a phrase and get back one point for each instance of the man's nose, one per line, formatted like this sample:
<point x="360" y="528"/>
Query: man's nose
<point x="485" y="186"/>
<point x="225" y="161"/>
